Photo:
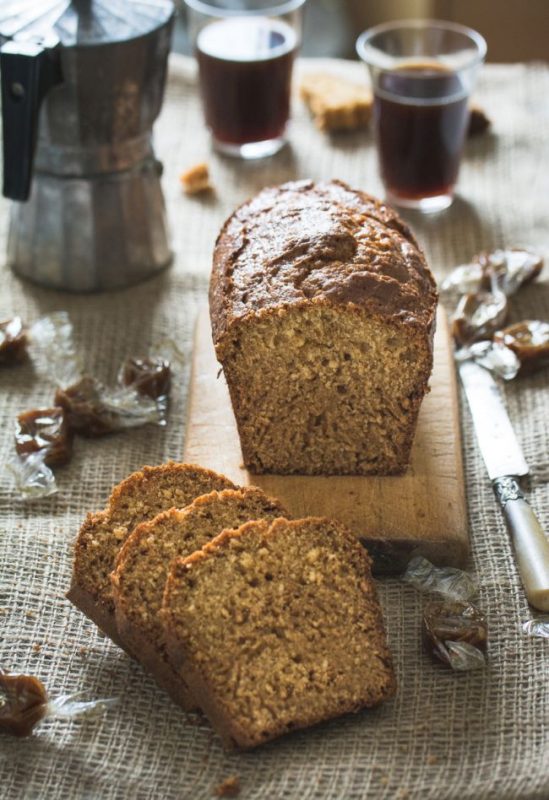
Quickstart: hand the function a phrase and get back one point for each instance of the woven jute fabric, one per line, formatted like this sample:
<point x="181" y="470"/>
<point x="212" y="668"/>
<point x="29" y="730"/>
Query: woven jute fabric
<point x="470" y="736"/>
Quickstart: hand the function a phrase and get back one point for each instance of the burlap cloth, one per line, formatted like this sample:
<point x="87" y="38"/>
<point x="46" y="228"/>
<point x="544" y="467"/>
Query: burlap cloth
<point x="476" y="735"/>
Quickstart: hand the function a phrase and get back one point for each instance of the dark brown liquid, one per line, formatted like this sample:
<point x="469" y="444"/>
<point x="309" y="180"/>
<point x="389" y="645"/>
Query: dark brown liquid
<point x="421" y="116"/>
<point x="245" y="75"/>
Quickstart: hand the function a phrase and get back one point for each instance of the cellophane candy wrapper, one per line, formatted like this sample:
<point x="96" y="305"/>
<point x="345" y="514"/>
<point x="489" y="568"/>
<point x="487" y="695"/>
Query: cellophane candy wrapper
<point x="479" y="316"/>
<point x="497" y="358"/>
<point x="32" y="477"/>
<point x="538" y="627"/>
<point x="92" y="408"/>
<point x="24" y="704"/>
<point x="52" y="349"/>
<point x="95" y="410"/>
<point x="506" y="269"/>
<point x="528" y="341"/>
<point x="455" y="616"/>
<point x="455" y="584"/>
<point x="483" y="288"/>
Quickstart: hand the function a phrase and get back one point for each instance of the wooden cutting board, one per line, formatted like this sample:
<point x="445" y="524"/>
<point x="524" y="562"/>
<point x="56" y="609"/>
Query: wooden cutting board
<point x="420" y="513"/>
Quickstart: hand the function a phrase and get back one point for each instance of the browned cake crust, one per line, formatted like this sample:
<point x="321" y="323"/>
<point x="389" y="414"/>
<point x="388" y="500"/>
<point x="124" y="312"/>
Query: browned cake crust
<point x="307" y="265"/>
<point x="143" y="562"/>
<point x="301" y="628"/>
<point x="139" y="497"/>
<point x="337" y="245"/>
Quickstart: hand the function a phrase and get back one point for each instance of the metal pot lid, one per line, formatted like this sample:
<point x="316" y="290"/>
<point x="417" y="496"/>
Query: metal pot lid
<point x="82" y="22"/>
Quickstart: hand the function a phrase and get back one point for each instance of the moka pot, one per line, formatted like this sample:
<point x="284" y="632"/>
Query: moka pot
<point x="82" y="84"/>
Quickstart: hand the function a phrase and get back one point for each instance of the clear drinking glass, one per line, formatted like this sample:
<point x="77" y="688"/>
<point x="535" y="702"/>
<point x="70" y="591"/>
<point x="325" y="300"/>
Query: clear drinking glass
<point x="422" y="72"/>
<point x="245" y="53"/>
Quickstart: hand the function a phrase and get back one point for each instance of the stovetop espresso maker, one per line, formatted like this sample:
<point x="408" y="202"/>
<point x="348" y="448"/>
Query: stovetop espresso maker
<point x="82" y="84"/>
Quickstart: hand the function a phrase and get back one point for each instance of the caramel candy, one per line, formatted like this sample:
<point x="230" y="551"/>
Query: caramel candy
<point x="13" y="341"/>
<point x="455" y="633"/>
<point x="196" y="179"/>
<point x="478" y="316"/>
<point x="85" y="409"/>
<point x="149" y="376"/>
<point x="230" y="787"/>
<point x="23" y="703"/>
<point x="529" y="340"/>
<point x="478" y="121"/>
<point x="44" y="429"/>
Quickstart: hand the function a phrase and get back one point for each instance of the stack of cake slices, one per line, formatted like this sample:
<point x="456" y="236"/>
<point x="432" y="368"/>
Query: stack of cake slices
<point x="267" y="624"/>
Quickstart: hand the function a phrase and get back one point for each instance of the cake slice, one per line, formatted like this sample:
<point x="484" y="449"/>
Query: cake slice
<point x="336" y="103"/>
<point x="276" y="626"/>
<point x="142" y="568"/>
<point x="139" y="497"/>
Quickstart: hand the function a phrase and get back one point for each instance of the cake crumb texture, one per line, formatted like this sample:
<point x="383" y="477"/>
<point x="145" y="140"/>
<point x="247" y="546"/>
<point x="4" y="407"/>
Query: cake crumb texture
<point x="323" y="316"/>
<point x="143" y="562"/>
<point x="294" y="605"/>
<point x="141" y="496"/>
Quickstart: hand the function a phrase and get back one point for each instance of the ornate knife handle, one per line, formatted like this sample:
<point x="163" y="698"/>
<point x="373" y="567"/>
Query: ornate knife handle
<point x="530" y="542"/>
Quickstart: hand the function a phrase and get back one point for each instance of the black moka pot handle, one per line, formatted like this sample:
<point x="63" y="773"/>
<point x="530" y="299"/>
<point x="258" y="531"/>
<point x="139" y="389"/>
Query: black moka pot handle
<point x="28" y="70"/>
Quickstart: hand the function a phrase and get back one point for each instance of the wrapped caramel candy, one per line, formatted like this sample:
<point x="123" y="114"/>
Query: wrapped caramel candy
<point x="24" y="703"/>
<point x="93" y="410"/>
<point x="149" y="376"/>
<point x="44" y="429"/>
<point x="478" y="316"/>
<point x="13" y="341"/>
<point x="505" y="270"/>
<point x="454" y="630"/>
<point x="495" y="357"/>
<point x="83" y="404"/>
<point x="510" y="268"/>
<point x="479" y="122"/>
<point x="529" y="341"/>
<point x="455" y="634"/>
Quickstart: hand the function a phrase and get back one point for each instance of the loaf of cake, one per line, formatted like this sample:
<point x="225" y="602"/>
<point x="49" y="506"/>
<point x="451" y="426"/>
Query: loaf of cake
<point x="142" y="568"/>
<point x="139" y="497"/>
<point x="323" y="316"/>
<point x="276" y="626"/>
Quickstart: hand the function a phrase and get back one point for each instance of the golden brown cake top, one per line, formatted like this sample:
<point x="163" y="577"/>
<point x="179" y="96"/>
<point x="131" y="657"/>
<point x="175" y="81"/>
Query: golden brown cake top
<point x="302" y="242"/>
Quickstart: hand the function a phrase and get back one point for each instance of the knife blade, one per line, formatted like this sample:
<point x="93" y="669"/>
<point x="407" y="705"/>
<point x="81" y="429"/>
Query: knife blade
<point x="505" y="463"/>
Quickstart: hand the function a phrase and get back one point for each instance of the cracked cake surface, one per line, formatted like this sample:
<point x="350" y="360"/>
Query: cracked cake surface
<point x="323" y="315"/>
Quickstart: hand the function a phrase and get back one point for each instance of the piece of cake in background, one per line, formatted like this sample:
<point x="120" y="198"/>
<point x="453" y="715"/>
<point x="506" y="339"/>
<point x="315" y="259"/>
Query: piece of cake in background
<point x="295" y="607"/>
<point x="336" y="103"/>
<point x="323" y="315"/>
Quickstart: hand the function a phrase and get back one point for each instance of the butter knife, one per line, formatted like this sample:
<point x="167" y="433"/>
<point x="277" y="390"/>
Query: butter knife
<point x="505" y="463"/>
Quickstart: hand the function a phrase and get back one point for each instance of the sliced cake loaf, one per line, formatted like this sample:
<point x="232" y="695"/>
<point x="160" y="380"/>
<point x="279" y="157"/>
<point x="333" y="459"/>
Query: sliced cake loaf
<point x="325" y="290"/>
<point x="139" y="497"/>
<point x="277" y="626"/>
<point x="142" y="568"/>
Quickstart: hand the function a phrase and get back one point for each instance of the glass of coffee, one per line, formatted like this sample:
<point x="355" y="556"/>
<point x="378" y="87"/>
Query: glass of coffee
<point x="245" y="53"/>
<point x="422" y="72"/>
